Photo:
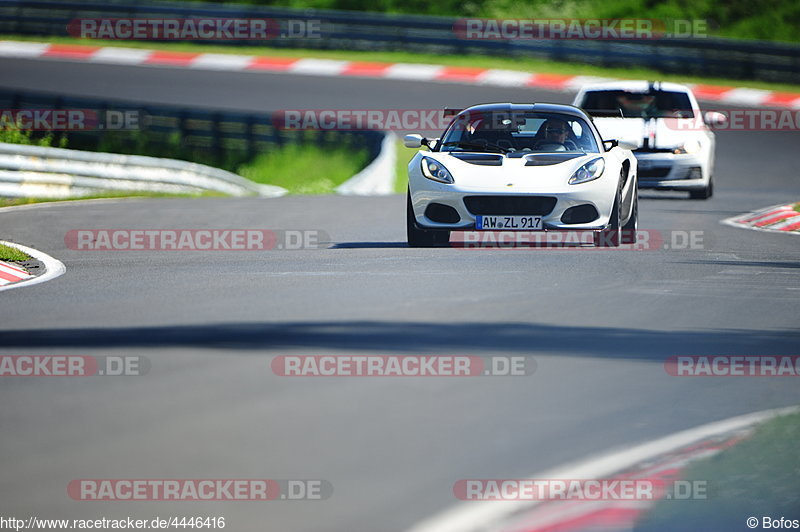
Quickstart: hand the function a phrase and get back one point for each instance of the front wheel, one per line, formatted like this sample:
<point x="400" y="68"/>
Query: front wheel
<point x="610" y="236"/>
<point x="628" y="235"/>
<point x="420" y="238"/>
<point x="703" y="193"/>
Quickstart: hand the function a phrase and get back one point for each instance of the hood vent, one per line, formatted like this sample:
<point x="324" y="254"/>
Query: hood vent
<point x="550" y="159"/>
<point x="480" y="159"/>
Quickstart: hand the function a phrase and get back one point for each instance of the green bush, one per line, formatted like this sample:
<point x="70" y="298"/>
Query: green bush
<point x="13" y="135"/>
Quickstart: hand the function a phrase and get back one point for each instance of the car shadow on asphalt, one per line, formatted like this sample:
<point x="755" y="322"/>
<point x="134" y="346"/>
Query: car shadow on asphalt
<point x="420" y="338"/>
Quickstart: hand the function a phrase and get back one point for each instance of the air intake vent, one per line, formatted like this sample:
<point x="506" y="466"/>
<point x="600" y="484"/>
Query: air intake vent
<point x="531" y="205"/>
<point x="443" y="214"/>
<point x="580" y="214"/>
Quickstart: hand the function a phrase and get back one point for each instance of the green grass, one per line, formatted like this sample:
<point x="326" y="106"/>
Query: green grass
<point x="404" y="155"/>
<point x="759" y="476"/>
<point x="479" y="61"/>
<point x="11" y="202"/>
<point x="797" y="207"/>
<point x="305" y="168"/>
<point x="13" y="254"/>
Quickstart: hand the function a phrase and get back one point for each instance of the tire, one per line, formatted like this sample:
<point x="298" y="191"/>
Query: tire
<point x="610" y="236"/>
<point x="420" y="238"/>
<point x="703" y="193"/>
<point x="628" y="235"/>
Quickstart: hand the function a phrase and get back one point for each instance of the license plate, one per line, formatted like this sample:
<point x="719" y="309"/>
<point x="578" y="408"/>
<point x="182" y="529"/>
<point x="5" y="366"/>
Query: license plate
<point x="508" y="223"/>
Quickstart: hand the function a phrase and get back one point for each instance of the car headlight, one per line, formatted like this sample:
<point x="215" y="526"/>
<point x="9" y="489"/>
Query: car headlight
<point x="691" y="146"/>
<point x="588" y="172"/>
<point x="433" y="169"/>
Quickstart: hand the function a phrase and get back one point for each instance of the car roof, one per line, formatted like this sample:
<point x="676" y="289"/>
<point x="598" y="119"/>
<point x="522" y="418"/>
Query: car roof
<point x="635" y="86"/>
<point x="523" y="107"/>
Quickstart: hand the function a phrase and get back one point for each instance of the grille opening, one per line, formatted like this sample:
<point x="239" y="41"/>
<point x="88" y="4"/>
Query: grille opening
<point x="695" y="172"/>
<point x="521" y="205"/>
<point x="658" y="171"/>
<point x="443" y="214"/>
<point x="580" y="214"/>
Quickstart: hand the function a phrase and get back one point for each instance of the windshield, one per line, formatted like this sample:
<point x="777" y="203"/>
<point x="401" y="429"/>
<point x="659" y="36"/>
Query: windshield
<point x="631" y="104"/>
<point x="508" y="132"/>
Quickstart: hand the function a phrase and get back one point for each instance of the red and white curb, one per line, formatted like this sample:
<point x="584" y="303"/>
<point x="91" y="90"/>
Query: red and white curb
<point x="52" y="269"/>
<point x="576" y="516"/>
<point x="652" y="459"/>
<point x="11" y="273"/>
<point x="329" y="67"/>
<point x="778" y="218"/>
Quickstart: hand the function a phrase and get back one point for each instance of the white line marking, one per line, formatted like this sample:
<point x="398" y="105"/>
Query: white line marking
<point x="504" y="78"/>
<point x="577" y="82"/>
<point x="222" y="62"/>
<point x="319" y="67"/>
<point x="124" y="56"/>
<point x="745" y="96"/>
<point x="22" y="49"/>
<point x="412" y="71"/>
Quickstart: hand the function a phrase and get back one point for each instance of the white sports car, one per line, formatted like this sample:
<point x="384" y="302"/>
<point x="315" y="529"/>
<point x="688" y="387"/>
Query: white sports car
<point x="674" y="145"/>
<point x="524" y="167"/>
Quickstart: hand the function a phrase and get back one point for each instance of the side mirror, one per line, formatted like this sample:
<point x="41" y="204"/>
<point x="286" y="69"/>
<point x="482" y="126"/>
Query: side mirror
<point x="715" y="119"/>
<point x="624" y="144"/>
<point x="415" y="141"/>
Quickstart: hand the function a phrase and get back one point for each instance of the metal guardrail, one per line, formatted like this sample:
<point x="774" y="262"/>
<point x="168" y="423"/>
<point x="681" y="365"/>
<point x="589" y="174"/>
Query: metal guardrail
<point x="372" y="31"/>
<point x="34" y="171"/>
<point x="218" y="138"/>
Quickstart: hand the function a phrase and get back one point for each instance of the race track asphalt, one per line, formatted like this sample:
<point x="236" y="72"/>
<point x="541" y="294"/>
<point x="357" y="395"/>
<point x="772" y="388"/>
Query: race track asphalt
<point x="599" y="324"/>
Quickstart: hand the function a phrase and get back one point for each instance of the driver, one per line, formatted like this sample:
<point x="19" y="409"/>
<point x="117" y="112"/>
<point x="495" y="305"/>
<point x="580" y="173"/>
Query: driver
<point x="636" y="104"/>
<point x="555" y="130"/>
